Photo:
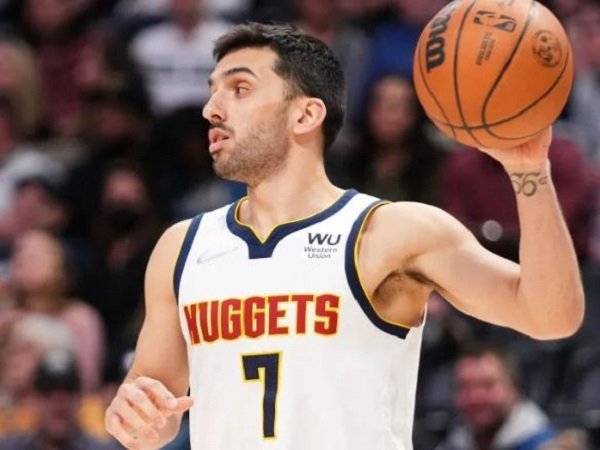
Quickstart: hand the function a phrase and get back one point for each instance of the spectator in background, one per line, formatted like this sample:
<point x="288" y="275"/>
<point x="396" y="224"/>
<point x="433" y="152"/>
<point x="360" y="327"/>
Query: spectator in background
<point x="115" y="127"/>
<point x="584" y="106"/>
<point x="17" y="163"/>
<point x="124" y="232"/>
<point x="476" y="191"/>
<point x="175" y="57"/>
<point x="63" y="38"/>
<point x="39" y="282"/>
<point x="323" y="21"/>
<point x="38" y="204"/>
<point x="395" y="158"/>
<point x="184" y="175"/>
<point x="366" y="14"/>
<point x="24" y="338"/>
<point x="56" y="400"/>
<point x="20" y="83"/>
<point x="493" y="414"/>
<point x="395" y="39"/>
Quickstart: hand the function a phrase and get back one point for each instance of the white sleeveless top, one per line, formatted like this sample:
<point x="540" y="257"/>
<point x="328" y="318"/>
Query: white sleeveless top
<point x="285" y="349"/>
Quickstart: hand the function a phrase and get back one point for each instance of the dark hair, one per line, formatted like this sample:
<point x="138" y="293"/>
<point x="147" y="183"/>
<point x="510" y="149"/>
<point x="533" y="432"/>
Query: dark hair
<point x="305" y="63"/>
<point x="509" y="361"/>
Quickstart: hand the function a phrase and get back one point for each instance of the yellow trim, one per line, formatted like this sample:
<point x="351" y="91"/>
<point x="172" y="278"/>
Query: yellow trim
<point x="362" y="286"/>
<point x="251" y="228"/>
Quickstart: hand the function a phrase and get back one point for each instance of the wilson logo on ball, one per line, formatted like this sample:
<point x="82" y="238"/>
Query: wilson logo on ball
<point x="435" y="53"/>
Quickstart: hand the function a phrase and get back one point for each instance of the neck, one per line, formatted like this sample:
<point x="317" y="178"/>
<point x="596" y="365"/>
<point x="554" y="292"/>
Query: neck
<point x="298" y="191"/>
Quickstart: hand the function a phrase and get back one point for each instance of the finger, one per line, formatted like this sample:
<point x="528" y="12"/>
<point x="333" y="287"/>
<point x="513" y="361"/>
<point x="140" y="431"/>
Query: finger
<point x="183" y="404"/>
<point x="130" y="418"/>
<point x="141" y="402"/>
<point x="157" y="391"/>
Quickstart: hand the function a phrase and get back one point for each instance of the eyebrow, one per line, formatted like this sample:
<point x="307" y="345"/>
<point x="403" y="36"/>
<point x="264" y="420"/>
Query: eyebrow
<point x="233" y="71"/>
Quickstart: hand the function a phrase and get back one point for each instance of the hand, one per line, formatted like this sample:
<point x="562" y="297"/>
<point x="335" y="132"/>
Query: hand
<point x="139" y="413"/>
<point x="532" y="155"/>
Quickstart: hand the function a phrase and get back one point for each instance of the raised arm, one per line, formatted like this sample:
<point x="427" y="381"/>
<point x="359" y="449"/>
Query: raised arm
<point x="541" y="297"/>
<point x="146" y="412"/>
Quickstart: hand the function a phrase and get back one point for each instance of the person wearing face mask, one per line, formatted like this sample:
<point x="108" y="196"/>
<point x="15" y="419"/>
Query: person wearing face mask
<point x="124" y="227"/>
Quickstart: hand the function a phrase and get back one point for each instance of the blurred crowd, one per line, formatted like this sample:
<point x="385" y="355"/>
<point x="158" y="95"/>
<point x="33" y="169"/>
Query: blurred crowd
<point x="102" y="145"/>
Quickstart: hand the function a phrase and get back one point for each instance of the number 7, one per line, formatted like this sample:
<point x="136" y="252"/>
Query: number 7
<point x="265" y="367"/>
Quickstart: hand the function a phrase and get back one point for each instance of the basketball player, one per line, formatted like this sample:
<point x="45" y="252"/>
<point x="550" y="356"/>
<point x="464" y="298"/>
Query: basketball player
<point x="295" y="315"/>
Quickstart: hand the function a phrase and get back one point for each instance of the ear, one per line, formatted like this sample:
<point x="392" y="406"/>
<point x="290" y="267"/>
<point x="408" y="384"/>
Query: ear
<point x="310" y="114"/>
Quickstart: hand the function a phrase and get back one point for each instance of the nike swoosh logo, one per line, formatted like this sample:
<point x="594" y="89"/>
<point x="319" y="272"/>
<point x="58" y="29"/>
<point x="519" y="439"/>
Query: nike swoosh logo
<point x="207" y="257"/>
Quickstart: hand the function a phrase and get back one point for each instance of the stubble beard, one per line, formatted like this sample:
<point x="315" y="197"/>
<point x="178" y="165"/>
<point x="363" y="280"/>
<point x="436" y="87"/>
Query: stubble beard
<point x="260" y="155"/>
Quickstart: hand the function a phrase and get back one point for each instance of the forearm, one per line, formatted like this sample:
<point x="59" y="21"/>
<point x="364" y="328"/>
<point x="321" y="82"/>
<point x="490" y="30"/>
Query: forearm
<point x="549" y="288"/>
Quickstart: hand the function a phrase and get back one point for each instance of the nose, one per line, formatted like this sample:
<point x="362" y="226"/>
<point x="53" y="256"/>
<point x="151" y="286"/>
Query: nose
<point x="213" y="110"/>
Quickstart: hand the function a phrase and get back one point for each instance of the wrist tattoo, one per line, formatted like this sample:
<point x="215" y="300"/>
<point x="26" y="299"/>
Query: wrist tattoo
<point x="527" y="183"/>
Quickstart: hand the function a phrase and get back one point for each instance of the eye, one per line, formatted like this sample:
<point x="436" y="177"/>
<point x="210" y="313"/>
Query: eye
<point x="240" y="90"/>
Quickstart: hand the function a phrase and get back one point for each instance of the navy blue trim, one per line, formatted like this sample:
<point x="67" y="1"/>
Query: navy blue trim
<point x="354" y="283"/>
<point x="183" y="253"/>
<point x="257" y="249"/>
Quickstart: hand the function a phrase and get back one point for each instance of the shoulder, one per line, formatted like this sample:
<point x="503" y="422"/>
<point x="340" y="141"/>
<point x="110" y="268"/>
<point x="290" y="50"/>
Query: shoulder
<point x="171" y="240"/>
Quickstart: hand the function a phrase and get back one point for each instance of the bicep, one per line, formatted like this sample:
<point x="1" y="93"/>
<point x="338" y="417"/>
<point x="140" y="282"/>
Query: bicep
<point x="161" y="350"/>
<point x="473" y="279"/>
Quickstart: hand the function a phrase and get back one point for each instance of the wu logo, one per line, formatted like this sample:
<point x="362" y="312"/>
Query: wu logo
<point x="325" y="238"/>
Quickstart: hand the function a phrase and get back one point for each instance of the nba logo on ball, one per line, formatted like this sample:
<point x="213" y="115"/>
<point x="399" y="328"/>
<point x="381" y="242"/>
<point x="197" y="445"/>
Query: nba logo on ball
<point x="493" y="73"/>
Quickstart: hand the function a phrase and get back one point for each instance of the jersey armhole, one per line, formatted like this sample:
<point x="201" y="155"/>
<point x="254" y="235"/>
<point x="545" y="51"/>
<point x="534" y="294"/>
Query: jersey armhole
<point x="354" y="280"/>
<point x="184" y="252"/>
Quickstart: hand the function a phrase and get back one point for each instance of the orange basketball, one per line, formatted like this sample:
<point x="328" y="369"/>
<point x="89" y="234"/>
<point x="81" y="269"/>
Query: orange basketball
<point x="493" y="73"/>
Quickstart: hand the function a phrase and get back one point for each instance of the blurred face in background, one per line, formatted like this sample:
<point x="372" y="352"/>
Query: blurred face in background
<point x="38" y="270"/>
<point x="392" y="110"/>
<point x="125" y="202"/>
<point x="57" y="412"/>
<point x="485" y="394"/>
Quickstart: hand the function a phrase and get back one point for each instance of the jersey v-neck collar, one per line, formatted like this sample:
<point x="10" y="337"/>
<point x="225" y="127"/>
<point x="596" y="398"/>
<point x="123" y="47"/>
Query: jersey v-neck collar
<point x="264" y="249"/>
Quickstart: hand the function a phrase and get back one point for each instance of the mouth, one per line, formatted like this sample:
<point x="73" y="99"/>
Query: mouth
<point x="216" y="139"/>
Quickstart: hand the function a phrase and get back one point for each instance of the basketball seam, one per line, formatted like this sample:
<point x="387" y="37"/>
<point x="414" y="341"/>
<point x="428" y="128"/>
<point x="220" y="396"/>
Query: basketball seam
<point x="523" y="111"/>
<point x="430" y="91"/>
<point x="507" y="64"/>
<point x="533" y="104"/>
<point x="455" y="72"/>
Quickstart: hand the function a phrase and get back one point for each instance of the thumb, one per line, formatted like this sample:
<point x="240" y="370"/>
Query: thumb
<point x="181" y="405"/>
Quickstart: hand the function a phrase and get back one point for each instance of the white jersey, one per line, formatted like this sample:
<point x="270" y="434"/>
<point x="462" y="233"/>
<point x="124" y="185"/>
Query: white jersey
<point x="285" y="349"/>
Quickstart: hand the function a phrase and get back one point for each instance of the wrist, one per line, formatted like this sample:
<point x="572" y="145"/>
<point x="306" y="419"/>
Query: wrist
<point x="542" y="167"/>
<point x="528" y="181"/>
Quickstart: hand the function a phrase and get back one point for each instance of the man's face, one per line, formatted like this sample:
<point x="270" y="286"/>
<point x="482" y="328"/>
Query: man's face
<point x="57" y="414"/>
<point x="248" y="110"/>
<point x="484" y="392"/>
